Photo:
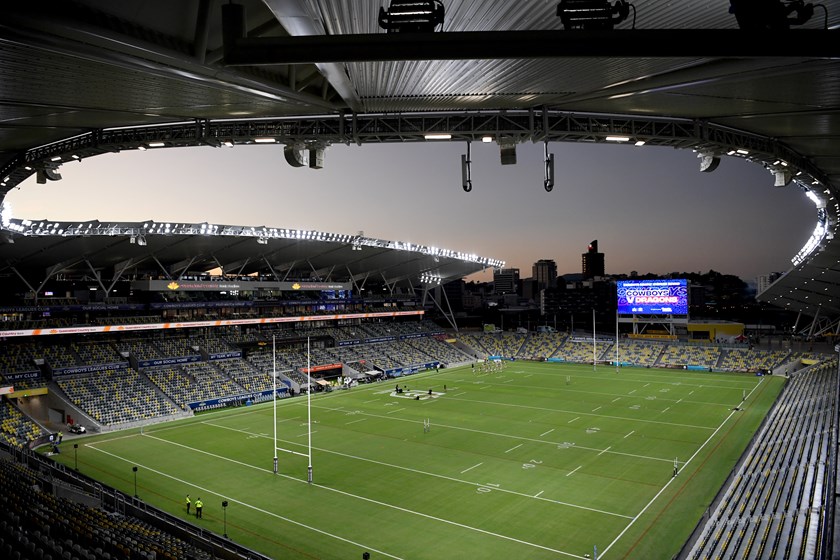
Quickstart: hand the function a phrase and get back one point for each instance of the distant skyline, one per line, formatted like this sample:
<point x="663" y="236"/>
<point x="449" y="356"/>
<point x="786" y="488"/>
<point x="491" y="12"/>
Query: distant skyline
<point x="650" y="208"/>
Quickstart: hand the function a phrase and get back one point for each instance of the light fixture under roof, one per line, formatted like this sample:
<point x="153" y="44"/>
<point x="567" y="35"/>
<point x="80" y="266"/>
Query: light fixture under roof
<point x="592" y="14"/>
<point x="264" y="140"/>
<point x="618" y="138"/>
<point x="156" y="144"/>
<point x="438" y="136"/>
<point x="411" y="16"/>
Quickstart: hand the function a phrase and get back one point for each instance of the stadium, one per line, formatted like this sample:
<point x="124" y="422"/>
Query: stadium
<point x="210" y="390"/>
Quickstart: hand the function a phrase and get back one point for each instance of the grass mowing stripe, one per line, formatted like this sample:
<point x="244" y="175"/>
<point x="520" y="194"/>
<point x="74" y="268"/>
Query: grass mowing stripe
<point x="435" y="475"/>
<point x="245" y="504"/>
<point x="564" y="390"/>
<point x="355" y="496"/>
<point x="496" y="434"/>
<point x="667" y="484"/>
<point x="474" y="429"/>
<point x="622" y="418"/>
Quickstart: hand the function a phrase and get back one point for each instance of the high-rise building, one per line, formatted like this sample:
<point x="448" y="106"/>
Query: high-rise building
<point x="545" y="274"/>
<point x="593" y="262"/>
<point x="763" y="282"/>
<point x="506" y="281"/>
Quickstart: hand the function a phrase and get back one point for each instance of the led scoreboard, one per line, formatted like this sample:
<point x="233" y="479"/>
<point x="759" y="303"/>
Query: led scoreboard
<point x="652" y="297"/>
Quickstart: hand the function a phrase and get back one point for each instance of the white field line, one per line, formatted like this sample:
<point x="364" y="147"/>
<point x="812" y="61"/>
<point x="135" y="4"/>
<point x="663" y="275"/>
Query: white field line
<point x="354" y="421"/>
<point x="572" y="420"/>
<point x="622" y="418"/>
<point x="245" y="504"/>
<point x="574" y="471"/>
<point x="440" y="476"/>
<point x="521" y="438"/>
<point x="604" y="451"/>
<point x="348" y="494"/>
<point x="628" y="435"/>
<point x="514" y="447"/>
<point x="665" y="379"/>
<point x="672" y="479"/>
<point x="597" y="408"/>
<point x="546" y="433"/>
<point x="603" y="394"/>
<point x="471" y="468"/>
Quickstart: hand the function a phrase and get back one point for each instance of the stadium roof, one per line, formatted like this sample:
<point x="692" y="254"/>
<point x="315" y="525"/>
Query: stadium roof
<point x="98" y="76"/>
<point x="44" y="249"/>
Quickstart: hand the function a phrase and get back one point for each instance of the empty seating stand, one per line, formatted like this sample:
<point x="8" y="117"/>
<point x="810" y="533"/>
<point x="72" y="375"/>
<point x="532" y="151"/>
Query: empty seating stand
<point x="774" y="506"/>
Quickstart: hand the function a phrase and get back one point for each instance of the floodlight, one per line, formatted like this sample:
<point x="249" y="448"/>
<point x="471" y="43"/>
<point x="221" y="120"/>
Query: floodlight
<point x="774" y="15"/>
<point x="411" y="16"/>
<point x="296" y="155"/>
<point x="782" y="176"/>
<point x="437" y="136"/>
<point x="507" y="151"/>
<point x="316" y="157"/>
<point x="43" y="175"/>
<point x="592" y="14"/>
<point x="708" y="162"/>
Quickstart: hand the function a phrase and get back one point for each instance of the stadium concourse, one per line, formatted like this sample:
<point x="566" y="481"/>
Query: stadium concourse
<point x="147" y="335"/>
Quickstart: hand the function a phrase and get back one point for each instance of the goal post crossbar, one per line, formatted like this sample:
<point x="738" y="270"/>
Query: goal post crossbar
<point x="276" y="449"/>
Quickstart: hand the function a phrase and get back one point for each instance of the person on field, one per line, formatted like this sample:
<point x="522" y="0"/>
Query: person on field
<point x="199" y="505"/>
<point x="189" y="503"/>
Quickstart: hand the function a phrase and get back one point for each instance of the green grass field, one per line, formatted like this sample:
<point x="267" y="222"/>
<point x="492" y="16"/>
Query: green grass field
<point x="536" y="461"/>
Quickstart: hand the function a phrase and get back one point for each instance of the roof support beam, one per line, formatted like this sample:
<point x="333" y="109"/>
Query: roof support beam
<point x="27" y="284"/>
<point x="97" y="276"/>
<point x="485" y="45"/>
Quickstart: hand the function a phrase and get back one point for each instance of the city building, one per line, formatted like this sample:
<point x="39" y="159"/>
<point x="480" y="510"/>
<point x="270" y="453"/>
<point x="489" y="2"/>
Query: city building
<point x="593" y="262"/>
<point x="545" y="273"/>
<point x="506" y="281"/>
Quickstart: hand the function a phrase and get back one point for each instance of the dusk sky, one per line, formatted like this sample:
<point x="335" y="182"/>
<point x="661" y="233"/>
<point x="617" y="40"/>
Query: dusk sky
<point x="650" y="208"/>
